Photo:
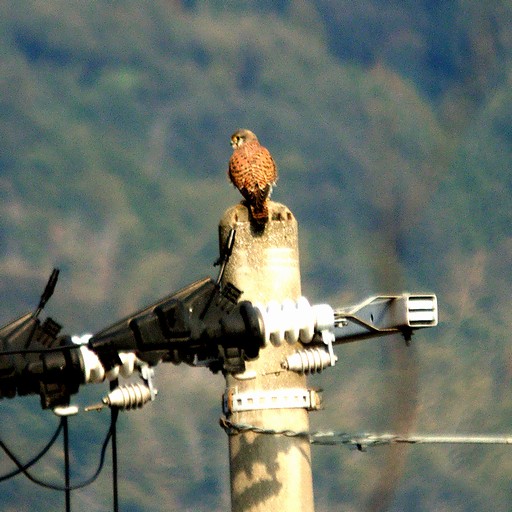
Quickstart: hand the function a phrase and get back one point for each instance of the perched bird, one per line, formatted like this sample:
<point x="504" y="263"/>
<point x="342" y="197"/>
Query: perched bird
<point x="252" y="170"/>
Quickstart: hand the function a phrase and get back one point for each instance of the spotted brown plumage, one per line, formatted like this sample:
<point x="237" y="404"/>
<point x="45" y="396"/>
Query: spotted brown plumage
<point x="253" y="172"/>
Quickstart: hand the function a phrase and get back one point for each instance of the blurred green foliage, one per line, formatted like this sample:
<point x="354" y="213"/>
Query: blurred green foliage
<point x="391" y="125"/>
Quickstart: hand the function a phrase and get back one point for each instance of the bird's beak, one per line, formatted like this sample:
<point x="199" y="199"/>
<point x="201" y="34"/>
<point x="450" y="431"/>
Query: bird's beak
<point x="233" y="144"/>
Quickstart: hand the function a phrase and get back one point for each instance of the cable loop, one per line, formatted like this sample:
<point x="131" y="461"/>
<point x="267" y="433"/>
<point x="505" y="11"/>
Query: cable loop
<point x="233" y="429"/>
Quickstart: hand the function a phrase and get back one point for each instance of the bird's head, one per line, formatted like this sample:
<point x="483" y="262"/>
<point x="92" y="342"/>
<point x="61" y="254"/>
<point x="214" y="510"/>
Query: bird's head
<point x="240" y="137"/>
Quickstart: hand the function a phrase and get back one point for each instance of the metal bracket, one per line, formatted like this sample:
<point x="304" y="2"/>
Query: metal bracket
<point x="290" y="398"/>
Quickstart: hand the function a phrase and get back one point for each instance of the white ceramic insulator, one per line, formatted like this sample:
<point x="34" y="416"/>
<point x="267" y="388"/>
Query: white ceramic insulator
<point x="275" y="327"/>
<point x="81" y="340"/>
<point x="113" y="373"/>
<point x="292" y="321"/>
<point x="66" y="410"/>
<point x="307" y="319"/>
<point x="311" y="360"/>
<point x="324" y="317"/>
<point x="131" y="396"/>
<point x="93" y="369"/>
<point x="128" y="360"/>
<point x="125" y="369"/>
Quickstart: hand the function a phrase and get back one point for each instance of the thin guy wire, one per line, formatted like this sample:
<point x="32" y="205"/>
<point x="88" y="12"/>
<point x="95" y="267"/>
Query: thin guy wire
<point x="362" y="441"/>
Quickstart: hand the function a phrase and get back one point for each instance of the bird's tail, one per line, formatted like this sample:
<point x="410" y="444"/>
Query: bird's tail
<point x="258" y="207"/>
<point x="259" y="213"/>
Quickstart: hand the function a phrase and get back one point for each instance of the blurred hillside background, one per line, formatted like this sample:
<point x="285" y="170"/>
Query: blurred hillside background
<point x="391" y="124"/>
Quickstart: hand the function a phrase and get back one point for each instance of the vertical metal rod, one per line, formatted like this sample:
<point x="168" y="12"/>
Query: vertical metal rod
<point x="65" y="431"/>
<point x="268" y="473"/>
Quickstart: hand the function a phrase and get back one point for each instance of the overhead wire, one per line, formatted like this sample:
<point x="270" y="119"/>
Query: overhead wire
<point x="114" y="411"/>
<point x="65" y="422"/>
<point x="30" y="463"/>
<point x="362" y="441"/>
<point x="41" y="350"/>
<point x="23" y="468"/>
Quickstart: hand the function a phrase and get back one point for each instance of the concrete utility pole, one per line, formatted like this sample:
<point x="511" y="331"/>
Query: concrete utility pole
<point x="205" y="325"/>
<point x="268" y="472"/>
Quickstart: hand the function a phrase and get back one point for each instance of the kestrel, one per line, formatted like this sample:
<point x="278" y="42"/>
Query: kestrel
<point x="253" y="172"/>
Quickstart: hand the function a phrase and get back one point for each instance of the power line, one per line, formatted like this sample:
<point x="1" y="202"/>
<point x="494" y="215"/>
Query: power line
<point x="65" y="422"/>
<point x="114" y="412"/>
<point x="41" y="350"/>
<point x="35" y="459"/>
<point x="362" y="441"/>
<point x="22" y="468"/>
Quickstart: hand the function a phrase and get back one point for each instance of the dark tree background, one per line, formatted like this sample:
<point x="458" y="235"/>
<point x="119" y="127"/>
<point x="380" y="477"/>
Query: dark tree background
<point x="391" y="124"/>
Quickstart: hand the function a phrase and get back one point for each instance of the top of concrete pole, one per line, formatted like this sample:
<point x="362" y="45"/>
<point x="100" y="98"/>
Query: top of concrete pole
<point x="265" y="264"/>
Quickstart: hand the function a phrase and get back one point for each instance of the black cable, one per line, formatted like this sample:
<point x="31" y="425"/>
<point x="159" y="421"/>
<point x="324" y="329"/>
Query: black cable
<point x="48" y="291"/>
<point x="71" y="487"/>
<point x="226" y="254"/>
<point x="35" y="459"/>
<point x="114" y="411"/>
<point x="65" y="423"/>
<point x="41" y="350"/>
<point x="115" y="491"/>
<point x="45" y="297"/>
